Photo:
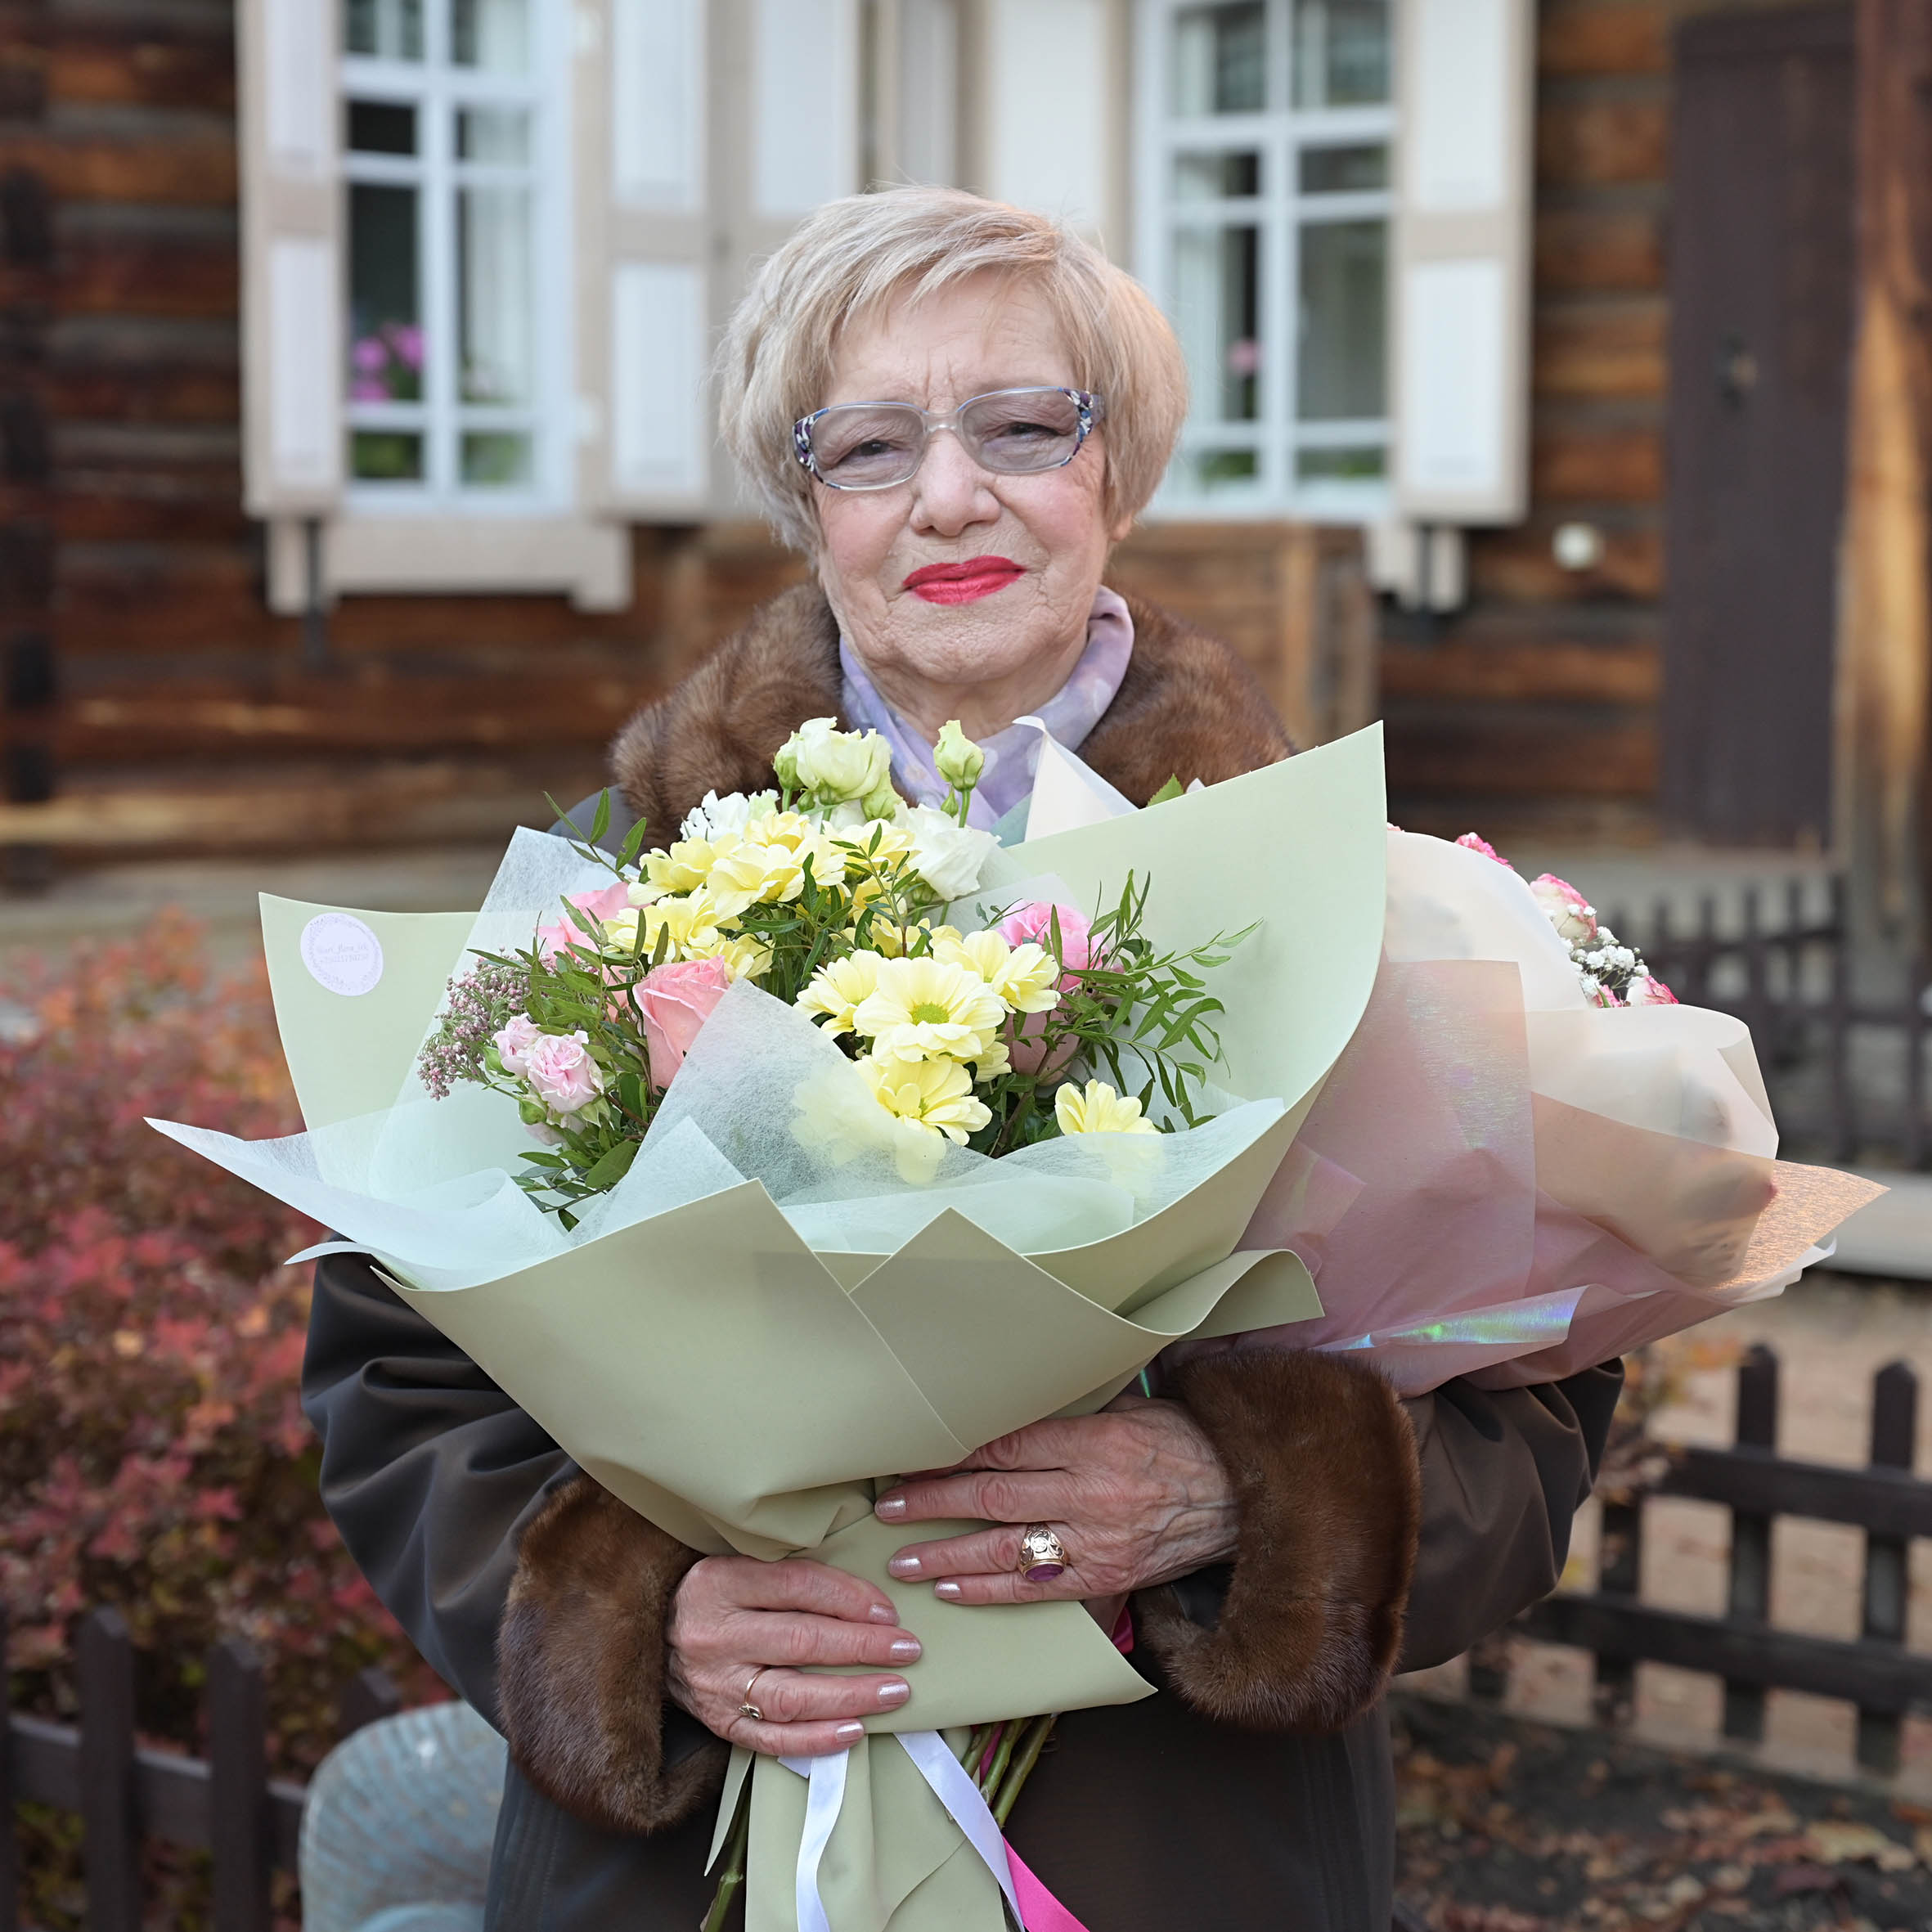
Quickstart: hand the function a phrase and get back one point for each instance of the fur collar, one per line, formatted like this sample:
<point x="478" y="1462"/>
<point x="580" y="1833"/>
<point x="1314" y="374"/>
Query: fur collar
<point x="1188" y="708"/>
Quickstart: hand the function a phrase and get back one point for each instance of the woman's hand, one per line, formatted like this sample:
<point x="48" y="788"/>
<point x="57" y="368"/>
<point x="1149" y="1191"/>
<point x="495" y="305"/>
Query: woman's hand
<point x="734" y="1616"/>
<point x="1136" y="1493"/>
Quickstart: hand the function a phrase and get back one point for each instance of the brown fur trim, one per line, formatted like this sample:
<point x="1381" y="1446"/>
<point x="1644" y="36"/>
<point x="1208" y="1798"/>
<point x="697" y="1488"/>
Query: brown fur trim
<point x="1329" y="1489"/>
<point x="1188" y="708"/>
<point x="580" y="1664"/>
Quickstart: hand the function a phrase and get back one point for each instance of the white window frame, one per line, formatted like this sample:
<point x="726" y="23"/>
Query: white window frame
<point x="1280" y="211"/>
<point x="436" y="87"/>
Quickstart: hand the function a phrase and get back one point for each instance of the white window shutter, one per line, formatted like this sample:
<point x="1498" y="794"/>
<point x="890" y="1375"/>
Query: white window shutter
<point x="1049" y="105"/>
<point x="292" y="284"/>
<point x="804" y="104"/>
<point x="644" y="218"/>
<point x="1462" y="255"/>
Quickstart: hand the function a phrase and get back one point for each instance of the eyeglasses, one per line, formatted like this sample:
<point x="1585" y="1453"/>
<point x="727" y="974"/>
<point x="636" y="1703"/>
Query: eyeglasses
<point x="872" y="445"/>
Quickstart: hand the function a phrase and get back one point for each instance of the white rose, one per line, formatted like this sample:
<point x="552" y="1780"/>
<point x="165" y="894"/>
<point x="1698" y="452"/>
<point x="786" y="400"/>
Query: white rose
<point x="731" y="813"/>
<point x="949" y="857"/>
<point x="836" y="765"/>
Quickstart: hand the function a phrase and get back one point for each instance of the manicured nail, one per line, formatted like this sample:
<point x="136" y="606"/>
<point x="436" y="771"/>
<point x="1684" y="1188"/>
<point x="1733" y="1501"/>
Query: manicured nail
<point x="849" y="1733"/>
<point x="889" y="1507"/>
<point x="906" y="1649"/>
<point x="883" y="1613"/>
<point x="896" y="1692"/>
<point x="904" y="1566"/>
<point x="949" y="1591"/>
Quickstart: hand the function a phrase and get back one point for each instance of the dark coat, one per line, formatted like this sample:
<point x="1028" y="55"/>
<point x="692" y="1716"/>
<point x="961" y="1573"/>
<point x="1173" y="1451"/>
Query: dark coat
<point x="1256" y="1793"/>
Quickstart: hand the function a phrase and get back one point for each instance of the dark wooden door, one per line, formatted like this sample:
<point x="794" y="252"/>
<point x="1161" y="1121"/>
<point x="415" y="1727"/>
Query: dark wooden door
<point x="1761" y="283"/>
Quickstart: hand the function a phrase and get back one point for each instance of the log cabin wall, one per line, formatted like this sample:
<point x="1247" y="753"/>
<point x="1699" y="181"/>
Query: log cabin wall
<point x="153" y="701"/>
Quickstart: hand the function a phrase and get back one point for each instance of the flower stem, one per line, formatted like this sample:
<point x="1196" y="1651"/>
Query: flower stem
<point x="1031" y="1744"/>
<point x="976" y="1747"/>
<point x="1001" y="1756"/>
<point x="732" y="1877"/>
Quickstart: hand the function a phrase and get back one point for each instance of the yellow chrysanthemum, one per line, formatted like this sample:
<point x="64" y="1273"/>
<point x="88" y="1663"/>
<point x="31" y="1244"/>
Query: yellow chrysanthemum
<point x="878" y="846"/>
<point x="838" y="987"/>
<point x="687" y="865"/>
<point x="755" y="873"/>
<point x="743" y="956"/>
<point x="937" y="1094"/>
<point x="693" y="921"/>
<point x="1098" y="1110"/>
<point x="928" y="1008"/>
<point x="1026" y="977"/>
<point x="894" y="940"/>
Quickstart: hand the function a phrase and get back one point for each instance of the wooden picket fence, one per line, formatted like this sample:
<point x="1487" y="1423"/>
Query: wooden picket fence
<point x="1874" y="1672"/>
<point x="226" y="1804"/>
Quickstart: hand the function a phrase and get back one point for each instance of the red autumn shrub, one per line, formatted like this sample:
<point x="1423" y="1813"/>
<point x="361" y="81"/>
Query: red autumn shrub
<point x="153" y="1455"/>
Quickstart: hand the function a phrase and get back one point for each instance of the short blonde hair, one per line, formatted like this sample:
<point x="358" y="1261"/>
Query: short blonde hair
<point x="852" y="258"/>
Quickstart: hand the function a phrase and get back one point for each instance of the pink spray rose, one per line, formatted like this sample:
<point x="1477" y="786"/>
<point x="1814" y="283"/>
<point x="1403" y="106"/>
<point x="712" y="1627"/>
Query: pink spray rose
<point x="601" y="904"/>
<point x="1033" y="922"/>
<point x="1476" y="843"/>
<point x="1565" y="908"/>
<point x="514" y="1042"/>
<point x="1646" y="989"/>
<point x="560" y="1070"/>
<point x="675" y="1000"/>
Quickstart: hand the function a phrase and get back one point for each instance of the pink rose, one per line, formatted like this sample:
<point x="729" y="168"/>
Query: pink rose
<point x="562" y="1073"/>
<point x="1033" y="922"/>
<point x="675" y="1000"/>
<point x="514" y="1042"/>
<point x="1565" y="908"/>
<point x="1646" y="989"/>
<point x="553" y="938"/>
<point x="1476" y="843"/>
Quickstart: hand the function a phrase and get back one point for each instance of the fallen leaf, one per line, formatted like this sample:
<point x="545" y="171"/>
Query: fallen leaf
<point x="1831" y="1842"/>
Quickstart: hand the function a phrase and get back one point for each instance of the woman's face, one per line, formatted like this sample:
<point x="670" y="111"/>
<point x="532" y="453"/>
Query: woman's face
<point x="988" y="647"/>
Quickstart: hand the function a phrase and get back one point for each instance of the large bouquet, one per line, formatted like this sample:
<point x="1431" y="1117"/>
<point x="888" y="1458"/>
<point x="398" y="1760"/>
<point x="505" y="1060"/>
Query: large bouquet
<point x="829" y="1108"/>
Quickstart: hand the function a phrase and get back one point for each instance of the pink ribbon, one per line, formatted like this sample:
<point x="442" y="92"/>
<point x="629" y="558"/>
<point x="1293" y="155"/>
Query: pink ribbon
<point x="1040" y="1910"/>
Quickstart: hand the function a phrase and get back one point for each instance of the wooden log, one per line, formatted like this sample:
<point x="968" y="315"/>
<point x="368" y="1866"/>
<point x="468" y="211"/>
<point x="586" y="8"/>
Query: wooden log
<point x="120" y="275"/>
<point x="1885" y="642"/>
<point x="1588" y="143"/>
<point x="1509" y="755"/>
<point x="1520" y="564"/>
<point x="1601" y="348"/>
<point x="1601" y="249"/>
<point x="150" y="65"/>
<point x="151" y="394"/>
<point x="110" y="1820"/>
<point x="1582" y="39"/>
<point x="1580" y="463"/>
<point x="196" y="168"/>
<point x="1574" y="673"/>
<point x="239" y="1833"/>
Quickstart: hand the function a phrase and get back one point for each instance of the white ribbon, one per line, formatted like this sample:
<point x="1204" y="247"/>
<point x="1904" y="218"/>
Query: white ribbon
<point x="951" y="1784"/>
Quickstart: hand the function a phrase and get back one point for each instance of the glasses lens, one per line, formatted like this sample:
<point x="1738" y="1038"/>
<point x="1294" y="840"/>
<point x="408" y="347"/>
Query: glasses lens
<point x="859" y="446"/>
<point x="1016" y="430"/>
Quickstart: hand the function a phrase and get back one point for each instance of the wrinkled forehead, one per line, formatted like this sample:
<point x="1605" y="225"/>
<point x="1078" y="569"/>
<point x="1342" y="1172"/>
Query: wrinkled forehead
<point x="937" y="348"/>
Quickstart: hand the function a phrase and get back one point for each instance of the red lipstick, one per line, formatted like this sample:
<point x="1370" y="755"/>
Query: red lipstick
<point x="960" y="583"/>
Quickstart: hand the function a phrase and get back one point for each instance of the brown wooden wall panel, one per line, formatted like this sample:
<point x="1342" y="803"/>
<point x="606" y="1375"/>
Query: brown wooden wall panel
<point x="1602" y="348"/>
<point x="183" y="394"/>
<point x="1606" y="250"/>
<point x="1513" y="755"/>
<point x="200" y="169"/>
<point x="1517" y="566"/>
<point x="149" y="65"/>
<point x="1594" y="39"/>
<point x="1578" y="463"/>
<point x="1588" y="143"/>
<point x="1538" y="672"/>
<point x="107" y="274"/>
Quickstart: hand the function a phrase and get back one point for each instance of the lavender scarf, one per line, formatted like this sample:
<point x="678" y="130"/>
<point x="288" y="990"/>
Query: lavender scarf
<point x="1070" y="714"/>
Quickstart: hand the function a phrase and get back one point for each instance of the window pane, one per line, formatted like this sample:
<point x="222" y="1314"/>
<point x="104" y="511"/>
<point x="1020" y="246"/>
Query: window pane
<point x="1341" y="52"/>
<point x="492" y="458"/>
<point x="385" y="314"/>
<point x="1204" y="471"/>
<point x="492" y="35"/>
<point x="1343" y="170"/>
<point x="493" y="294"/>
<point x="381" y="128"/>
<point x="1339" y="465"/>
<point x="391" y="29"/>
<point x="386" y="455"/>
<point x="1217" y="278"/>
<point x="1220" y="60"/>
<point x="1217" y="177"/>
<point x="1343" y="307"/>
<point x="500" y="134"/>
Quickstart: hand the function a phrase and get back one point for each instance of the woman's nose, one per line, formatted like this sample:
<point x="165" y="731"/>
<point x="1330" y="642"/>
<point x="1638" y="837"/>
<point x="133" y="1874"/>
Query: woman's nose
<point x="952" y="492"/>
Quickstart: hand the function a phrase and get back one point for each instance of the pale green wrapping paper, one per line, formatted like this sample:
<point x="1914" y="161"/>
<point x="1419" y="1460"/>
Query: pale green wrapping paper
<point x="741" y="1389"/>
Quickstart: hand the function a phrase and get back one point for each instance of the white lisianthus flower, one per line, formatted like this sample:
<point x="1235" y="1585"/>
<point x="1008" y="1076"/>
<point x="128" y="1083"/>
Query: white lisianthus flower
<point x="949" y="857"/>
<point x="834" y="766"/>
<point x="1098" y="1109"/>
<point x="928" y="1009"/>
<point x="732" y="813"/>
<point x="956" y="758"/>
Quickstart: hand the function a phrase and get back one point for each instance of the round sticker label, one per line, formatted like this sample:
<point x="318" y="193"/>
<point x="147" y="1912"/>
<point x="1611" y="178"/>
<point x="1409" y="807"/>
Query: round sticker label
<point x="342" y="953"/>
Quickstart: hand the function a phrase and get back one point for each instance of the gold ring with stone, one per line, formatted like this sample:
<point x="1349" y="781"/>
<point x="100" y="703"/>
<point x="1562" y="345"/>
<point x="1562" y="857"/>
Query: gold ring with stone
<point x="746" y="1707"/>
<point x="1043" y="1555"/>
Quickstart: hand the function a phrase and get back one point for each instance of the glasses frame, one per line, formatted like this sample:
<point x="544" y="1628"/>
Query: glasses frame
<point x="1089" y="407"/>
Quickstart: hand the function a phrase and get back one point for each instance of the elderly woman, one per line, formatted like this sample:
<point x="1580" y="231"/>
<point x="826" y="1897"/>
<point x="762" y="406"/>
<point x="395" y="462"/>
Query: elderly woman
<point x="954" y="408"/>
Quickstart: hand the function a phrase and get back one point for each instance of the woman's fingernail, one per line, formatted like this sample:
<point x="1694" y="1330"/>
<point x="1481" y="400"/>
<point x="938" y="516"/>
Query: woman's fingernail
<point x="949" y="1591"/>
<point x="849" y="1733"/>
<point x="906" y="1649"/>
<point x="889" y="1507"/>
<point x="904" y="1567"/>
<point x="894" y="1692"/>
<point x="883" y="1613"/>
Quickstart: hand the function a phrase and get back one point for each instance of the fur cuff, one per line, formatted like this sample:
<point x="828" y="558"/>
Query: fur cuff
<point x="1329" y="1489"/>
<point x="581" y="1665"/>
